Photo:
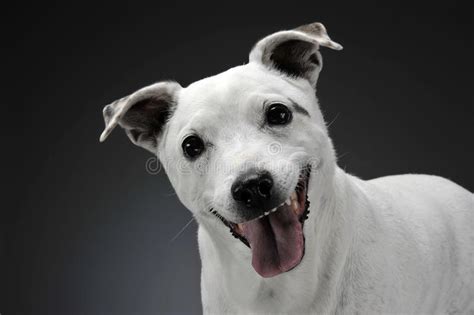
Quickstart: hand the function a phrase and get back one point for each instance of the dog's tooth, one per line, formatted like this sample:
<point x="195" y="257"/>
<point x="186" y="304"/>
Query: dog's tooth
<point x="287" y="202"/>
<point x="294" y="205"/>
<point x="238" y="227"/>
<point x="294" y="196"/>
<point x="275" y="209"/>
<point x="266" y="213"/>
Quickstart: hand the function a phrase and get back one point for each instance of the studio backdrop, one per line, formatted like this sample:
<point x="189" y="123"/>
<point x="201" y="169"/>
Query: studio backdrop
<point x="89" y="228"/>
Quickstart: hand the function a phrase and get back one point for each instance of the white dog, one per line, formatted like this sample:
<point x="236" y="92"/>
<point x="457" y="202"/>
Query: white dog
<point x="282" y="229"/>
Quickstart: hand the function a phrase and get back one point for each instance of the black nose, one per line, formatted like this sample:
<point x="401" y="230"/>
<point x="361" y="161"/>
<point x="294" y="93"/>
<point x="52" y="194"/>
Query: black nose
<point x="253" y="190"/>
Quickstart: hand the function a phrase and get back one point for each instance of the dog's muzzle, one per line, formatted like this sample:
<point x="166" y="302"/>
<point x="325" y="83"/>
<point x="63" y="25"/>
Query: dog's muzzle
<point x="272" y="229"/>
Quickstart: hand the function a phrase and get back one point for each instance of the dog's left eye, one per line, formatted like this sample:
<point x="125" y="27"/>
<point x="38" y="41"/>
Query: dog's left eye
<point x="193" y="146"/>
<point x="278" y="114"/>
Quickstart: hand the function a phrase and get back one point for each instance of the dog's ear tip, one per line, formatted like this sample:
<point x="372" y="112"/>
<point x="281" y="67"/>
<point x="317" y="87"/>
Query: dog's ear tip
<point x="103" y="136"/>
<point x="319" y="33"/>
<point x="315" y="28"/>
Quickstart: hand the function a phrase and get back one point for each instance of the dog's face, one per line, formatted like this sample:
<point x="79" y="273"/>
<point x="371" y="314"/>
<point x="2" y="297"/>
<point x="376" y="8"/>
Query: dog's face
<point x="240" y="147"/>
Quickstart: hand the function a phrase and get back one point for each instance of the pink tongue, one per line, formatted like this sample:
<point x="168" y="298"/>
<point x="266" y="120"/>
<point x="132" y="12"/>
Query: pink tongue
<point x="276" y="241"/>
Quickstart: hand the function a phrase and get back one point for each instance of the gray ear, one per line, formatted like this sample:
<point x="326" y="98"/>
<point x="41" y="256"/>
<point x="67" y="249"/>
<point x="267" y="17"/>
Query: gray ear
<point x="142" y="114"/>
<point x="295" y="52"/>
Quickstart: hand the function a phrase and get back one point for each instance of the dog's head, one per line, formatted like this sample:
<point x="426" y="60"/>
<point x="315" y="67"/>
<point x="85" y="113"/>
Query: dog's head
<point x="240" y="147"/>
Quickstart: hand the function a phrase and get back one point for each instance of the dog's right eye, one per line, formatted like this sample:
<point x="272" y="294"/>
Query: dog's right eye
<point x="193" y="146"/>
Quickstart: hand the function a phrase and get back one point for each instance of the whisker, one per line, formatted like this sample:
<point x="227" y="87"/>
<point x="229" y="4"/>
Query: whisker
<point x="332" y="121"/>
<point x="343" y="155"/>
<point x="169" y="194"/>
<point x="182" y="230"/>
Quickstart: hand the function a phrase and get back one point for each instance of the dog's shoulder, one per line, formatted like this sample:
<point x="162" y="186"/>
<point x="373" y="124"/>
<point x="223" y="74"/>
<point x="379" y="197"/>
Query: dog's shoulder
<point x="421" y="185"/>
<point x="427" y="221"/>
<point x="423" y="196"/>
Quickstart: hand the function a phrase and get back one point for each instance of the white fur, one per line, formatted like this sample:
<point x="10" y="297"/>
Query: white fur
<point x="399" y="244"/>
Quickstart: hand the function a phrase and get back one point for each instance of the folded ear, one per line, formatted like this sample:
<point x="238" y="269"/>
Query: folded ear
<point x="142" y="114"/>
<point x="295" y="52"/>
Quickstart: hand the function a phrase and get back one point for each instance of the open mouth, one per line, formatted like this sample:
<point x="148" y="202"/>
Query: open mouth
<point x="276" y="237"/>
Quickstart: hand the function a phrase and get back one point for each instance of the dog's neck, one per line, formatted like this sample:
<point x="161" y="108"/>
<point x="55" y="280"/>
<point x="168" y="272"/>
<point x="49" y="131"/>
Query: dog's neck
<point x="227" y="270"/>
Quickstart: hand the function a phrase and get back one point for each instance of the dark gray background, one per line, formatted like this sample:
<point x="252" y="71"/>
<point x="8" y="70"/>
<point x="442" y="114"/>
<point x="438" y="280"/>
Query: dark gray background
<point x="85" y="229"/>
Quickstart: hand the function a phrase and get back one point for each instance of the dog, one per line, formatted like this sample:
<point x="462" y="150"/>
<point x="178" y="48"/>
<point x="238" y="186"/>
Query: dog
<point x="283" y="229"/>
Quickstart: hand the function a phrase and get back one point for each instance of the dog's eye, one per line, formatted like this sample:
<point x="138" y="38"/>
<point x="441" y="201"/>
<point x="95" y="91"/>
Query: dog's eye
<point x="278" y="114"/>
<point x="192" y="146"/>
